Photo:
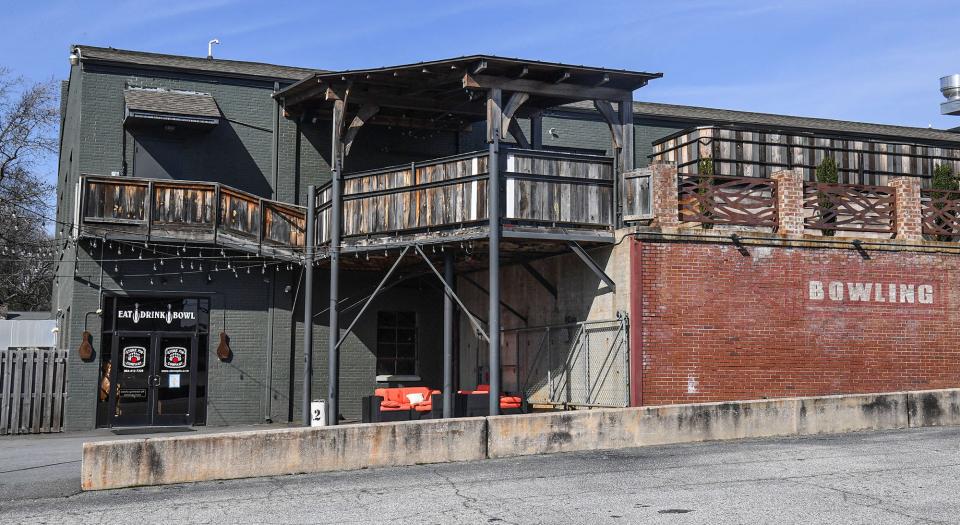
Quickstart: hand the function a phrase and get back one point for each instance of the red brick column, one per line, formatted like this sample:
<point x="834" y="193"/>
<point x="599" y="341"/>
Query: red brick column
<point x="908" y="219"/>
<point x="789" y="202"/>
<point x="664" y="189"/>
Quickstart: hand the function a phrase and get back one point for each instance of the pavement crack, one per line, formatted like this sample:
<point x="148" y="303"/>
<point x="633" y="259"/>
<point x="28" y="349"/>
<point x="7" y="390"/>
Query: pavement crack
<point x="468" y="502"/>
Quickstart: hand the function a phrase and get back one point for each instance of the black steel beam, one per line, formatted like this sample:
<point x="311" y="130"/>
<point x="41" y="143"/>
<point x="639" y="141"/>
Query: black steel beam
<point x="594" y="267"/>
<point x="308" y="308"/>
<point x="448" y="274"/>
<point x="372" y="296"/>
<point x="453" y="295"/>
<point x="494" y="133"/>
<point x="336" y="191"/>
<point x="546" y="284"/>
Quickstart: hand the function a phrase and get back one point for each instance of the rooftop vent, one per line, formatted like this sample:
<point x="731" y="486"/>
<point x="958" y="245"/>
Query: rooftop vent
<point x="950" y="88"/>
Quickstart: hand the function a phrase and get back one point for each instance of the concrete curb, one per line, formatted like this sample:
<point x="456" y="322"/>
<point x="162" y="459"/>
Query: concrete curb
<point x="166" y="460"/>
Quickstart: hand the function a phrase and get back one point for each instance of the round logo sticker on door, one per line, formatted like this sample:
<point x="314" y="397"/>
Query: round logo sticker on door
<point x="134" y="357"/>
<point x="175" y="357"/>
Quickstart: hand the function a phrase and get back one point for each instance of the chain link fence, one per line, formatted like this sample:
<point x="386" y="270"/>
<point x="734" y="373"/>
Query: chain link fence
<point x="575" y="364"/>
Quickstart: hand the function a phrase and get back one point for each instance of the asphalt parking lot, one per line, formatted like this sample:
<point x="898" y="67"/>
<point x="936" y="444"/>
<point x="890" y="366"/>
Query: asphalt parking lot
<point x="903" y="476"/>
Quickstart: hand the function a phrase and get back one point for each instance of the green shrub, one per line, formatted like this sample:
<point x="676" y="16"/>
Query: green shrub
<point x="827" y="173"/>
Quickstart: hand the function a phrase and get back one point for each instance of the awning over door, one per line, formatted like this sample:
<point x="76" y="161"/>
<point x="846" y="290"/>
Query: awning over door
<point x="168" y="106"/>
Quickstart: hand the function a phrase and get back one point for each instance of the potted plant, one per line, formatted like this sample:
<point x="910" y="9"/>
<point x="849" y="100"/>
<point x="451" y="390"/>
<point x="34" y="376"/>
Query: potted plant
<point x="827" y="173"/>
<point x="705" y="171"/>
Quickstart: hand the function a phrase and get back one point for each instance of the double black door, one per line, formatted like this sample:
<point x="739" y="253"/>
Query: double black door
<point x="154" y="379"/>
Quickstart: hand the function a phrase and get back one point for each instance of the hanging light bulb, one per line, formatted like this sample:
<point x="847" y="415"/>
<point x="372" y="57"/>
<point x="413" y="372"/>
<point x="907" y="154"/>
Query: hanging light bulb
<point x="154" y="266"/>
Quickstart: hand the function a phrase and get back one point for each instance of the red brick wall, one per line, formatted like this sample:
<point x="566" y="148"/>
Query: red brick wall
<point x="710" y="324"/>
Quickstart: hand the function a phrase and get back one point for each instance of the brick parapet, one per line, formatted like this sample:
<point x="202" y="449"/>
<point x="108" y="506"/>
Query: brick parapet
<point x="664" y="186"/>
<point x="908" y="219"/>
<point x="789" y="202"/>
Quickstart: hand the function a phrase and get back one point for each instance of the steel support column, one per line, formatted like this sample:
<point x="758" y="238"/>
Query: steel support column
<point x="333" y="355"/>
<point x="308" y="306"/>
<point x="448" y="276"/>
<point x="494" y="120"/>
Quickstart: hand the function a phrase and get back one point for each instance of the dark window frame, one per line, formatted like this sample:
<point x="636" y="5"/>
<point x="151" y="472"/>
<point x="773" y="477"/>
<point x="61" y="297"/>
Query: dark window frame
<point x="397" y="351"/>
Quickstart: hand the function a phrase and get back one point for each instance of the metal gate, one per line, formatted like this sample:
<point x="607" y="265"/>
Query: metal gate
<point x="32" y="385"/>
<point x="575" y="364"/>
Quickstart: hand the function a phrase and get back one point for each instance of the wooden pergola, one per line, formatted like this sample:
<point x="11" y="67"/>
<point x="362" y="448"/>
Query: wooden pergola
<point x="450" y="95"/>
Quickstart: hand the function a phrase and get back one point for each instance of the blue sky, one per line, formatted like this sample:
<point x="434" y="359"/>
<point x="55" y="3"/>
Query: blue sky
<point x="835" y="59"/>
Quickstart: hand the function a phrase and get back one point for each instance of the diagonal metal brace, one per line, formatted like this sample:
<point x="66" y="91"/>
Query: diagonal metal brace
<point x="372" y="297"/>
<point x="449" y="291"/>
<point x="594" y="267"/>
<point x="544" y="282"/>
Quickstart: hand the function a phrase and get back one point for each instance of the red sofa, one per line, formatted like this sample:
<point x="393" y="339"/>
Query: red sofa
<point x="393" y="404"/>
<point x="478" y="404"/>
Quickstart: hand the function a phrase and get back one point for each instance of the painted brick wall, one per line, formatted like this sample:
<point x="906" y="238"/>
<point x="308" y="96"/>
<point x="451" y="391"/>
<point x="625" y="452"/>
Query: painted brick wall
<point x="718" y="325"/>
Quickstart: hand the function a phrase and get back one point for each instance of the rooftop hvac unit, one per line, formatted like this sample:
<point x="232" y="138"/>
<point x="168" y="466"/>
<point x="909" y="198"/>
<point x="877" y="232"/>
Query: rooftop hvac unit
<point x="950" y="88"/>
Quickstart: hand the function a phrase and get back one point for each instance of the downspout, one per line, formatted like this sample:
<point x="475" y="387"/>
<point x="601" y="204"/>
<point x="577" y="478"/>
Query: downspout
<point x="268" y="369"/>
<point x="271" y="306"/>
<point x="636" y="322"/>
<point x="275" y="147"/>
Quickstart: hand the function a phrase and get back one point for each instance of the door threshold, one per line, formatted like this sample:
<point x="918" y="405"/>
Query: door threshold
<point x="125" y="431"/>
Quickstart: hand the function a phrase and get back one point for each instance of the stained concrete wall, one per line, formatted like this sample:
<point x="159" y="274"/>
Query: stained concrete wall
<point x="581" y="296"/>
<point x="156" y="461"/>
<point x="160" y="461"/>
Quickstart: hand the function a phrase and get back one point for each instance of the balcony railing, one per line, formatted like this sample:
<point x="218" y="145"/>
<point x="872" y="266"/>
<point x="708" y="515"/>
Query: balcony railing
<point x="191" y="212"/>
<point x="715" y="199"/>
<point x="849" y="207"/>
<point x="541" y="189"/>
<point x="940" y="214"/>
<point x="738" y="151"/>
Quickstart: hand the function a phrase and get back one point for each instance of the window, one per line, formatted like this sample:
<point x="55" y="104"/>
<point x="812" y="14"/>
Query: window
<point x="396" y="343"/>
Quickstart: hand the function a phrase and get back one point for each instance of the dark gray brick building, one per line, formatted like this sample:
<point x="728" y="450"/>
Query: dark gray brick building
<point x="155" y="117"/>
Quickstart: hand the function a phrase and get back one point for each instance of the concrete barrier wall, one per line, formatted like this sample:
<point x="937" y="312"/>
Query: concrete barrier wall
<point x="159" y="461"/>
<point x="934" y="408"/>
<point x="156" y="461"/>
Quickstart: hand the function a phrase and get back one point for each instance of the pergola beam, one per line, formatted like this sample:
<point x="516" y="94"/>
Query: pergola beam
<point x="364" y="114"/>
<point x="547" y="89"/>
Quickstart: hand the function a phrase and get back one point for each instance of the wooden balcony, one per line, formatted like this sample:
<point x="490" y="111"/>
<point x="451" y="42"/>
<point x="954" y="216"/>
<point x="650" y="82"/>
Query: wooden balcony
<point x="192" y="212"/>
<point x="546" y="196"/>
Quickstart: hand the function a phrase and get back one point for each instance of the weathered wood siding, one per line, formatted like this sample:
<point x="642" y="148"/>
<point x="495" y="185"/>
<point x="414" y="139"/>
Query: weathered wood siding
<point x="636" y="194"/>
<point x="115" y="201"/>
<point x="283" y="225"/>
<point x="184" y="205"/>
<point x="239" y="213"/>
<point x="752" y="153"/>
<point x="191" y="211"/>
<point x="32" y="390"/>
<point x="425" y="195"/>
<point x="545" y="187"/>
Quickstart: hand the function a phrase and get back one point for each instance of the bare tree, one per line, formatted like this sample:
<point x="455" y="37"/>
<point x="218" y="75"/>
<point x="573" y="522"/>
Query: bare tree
<point x="28" y="123"/>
